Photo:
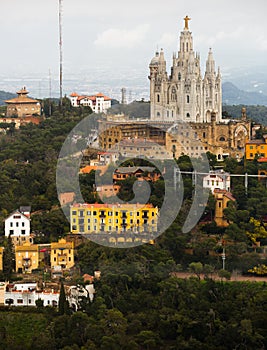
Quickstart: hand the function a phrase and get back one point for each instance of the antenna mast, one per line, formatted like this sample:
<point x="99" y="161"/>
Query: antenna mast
<point x="50" y="94"/>
<point x="60" y="54"/>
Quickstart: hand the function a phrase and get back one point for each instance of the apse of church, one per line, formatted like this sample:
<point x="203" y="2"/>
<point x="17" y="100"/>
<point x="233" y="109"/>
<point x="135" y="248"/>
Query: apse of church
<point x="185" y="95"/>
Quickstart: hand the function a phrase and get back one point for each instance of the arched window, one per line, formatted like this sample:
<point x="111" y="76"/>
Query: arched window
<point x="222" y="139"/>
<point x="158" y="114"/>
<point x="158" y="98"/>
<point x="188" y="115"/>
<point x="187" y="99"/>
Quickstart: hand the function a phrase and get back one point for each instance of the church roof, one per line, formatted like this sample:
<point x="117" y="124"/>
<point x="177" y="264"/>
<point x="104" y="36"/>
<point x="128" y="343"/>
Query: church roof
<point x="22" y="97"/>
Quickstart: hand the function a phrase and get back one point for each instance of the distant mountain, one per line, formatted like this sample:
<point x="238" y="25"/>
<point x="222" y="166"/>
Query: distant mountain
<point x="5" y="96"/>
<point x="234" y="96"/>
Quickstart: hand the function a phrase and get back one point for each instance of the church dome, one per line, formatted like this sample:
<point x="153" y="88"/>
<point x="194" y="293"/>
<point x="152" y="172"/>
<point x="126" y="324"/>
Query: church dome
<point x="155" y="60"/>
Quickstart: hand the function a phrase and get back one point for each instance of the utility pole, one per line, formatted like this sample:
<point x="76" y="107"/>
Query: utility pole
<point x="60" y="55"/>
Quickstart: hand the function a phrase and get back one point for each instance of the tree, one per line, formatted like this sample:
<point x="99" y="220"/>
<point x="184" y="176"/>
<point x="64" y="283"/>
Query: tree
<point x="196" y="268"/>
<point x="8" y="258"/>
<point x="63" y="304"/>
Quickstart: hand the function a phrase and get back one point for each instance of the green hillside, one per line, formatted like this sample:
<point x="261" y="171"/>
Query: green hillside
<point x="5" y="96"/>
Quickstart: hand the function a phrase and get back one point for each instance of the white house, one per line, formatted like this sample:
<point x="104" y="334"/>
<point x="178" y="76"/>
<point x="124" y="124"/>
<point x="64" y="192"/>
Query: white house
<point x="108" y="157"/>
<point x="217" y="179"/>
<point x="99" y="103"/>
<point x="17" y="225"/>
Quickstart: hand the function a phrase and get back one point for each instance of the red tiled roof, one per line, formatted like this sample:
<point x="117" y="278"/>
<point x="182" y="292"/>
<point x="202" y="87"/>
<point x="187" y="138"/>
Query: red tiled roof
<point x="262" y="160"/>
<point x="226" y="193"/>
<point x="114" y="205"/>
<point x="74" y="94"/>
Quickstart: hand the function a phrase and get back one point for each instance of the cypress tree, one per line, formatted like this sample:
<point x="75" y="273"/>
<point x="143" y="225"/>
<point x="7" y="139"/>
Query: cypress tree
<point x="63" y="304"/>
<point x="8" y="259"/>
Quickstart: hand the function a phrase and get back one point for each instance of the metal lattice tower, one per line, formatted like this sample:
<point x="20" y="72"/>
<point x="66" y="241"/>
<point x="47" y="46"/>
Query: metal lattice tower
<point x="60" y="54"/>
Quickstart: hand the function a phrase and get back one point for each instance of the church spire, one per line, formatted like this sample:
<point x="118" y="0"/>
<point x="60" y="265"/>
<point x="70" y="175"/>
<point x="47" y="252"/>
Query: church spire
<point x="210" y="63"/>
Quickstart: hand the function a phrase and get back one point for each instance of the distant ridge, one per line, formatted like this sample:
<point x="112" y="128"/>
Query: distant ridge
<point x="234" y="96"/>
<point x="6" y="96"/>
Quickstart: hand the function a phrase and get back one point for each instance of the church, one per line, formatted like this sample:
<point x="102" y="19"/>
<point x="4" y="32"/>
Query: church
<point x="185" y="109"/>
<point x="185" y="95"/>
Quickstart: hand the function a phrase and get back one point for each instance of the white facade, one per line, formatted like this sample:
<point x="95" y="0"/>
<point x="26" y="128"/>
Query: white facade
<point x="17" y="225"/>
<point x="28" y="298"/>
<point x="75" y="293"/>
<point x="25" y="294"/>
<point x="185" y="95"/>
<point x="217" y="180"/>
<point x="108" y="157"/>
<point x="98" y="103"/>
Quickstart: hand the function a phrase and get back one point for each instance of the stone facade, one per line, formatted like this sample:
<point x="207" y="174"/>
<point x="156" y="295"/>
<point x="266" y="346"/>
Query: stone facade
<point x="185" y="95"/>
<point x="22" y="106"/>
<point x="224" y="139"/>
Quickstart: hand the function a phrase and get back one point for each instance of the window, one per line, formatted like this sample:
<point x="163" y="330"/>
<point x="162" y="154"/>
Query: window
<point x="94" y="212"/>
<point x="187" y="99"/>
<point x="69" y="258"/>
<point x="11" y="232"/>
<point x="17" y="224"/>
<point x="11" y="224"/>
<point x="19" y="301"/>
<point x="74" y="212"/>
<point x="89" y="213"/>
<point x="158" y="98"/>
<point x="88" y="221"/>
<point x="222" y="139"/>
<point x="23" y="232"/>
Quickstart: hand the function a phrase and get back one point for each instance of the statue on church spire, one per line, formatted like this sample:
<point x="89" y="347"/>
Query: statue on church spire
<point x="186" y="20"/>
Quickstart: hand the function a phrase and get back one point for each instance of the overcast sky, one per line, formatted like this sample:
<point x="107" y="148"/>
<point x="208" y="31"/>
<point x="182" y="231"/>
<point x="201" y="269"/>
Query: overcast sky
<point x="120" y="34"/>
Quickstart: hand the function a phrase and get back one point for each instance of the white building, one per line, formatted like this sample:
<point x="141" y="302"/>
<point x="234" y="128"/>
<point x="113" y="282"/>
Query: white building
<point x="105" y="158"/>
<point x="217" y="179"/>
<point x="25" y="294"/>
<point x="76" y="293"/>
<point x="99" y="103"/>
<point x="17" y="225"/>
<point x="184" y="94"/>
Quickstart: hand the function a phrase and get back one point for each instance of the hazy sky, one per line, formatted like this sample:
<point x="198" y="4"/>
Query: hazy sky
<point x="109" y="35"/>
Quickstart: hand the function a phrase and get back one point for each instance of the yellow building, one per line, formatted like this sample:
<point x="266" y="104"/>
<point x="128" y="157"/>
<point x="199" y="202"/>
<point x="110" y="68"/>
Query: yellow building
<point x="1" y="258"/>
<point x="62" y="254"/>
<point x="27" y="257"/>
<point x="108" y="218"/>
<point x="256" y="148"/>
<point x="222" y="198"/>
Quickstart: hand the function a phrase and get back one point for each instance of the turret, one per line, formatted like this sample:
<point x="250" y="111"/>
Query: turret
<point x="210" y="64"/>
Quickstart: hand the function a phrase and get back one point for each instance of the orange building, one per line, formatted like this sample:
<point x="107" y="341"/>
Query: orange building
<point x="256" y="148"/>
<point x="222" y="199"/>
<point x="143" y="173"/>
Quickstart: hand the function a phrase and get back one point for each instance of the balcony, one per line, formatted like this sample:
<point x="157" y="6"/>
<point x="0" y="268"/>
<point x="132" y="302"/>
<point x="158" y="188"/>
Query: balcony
<point x="26" y="262"/>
